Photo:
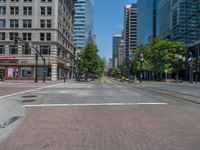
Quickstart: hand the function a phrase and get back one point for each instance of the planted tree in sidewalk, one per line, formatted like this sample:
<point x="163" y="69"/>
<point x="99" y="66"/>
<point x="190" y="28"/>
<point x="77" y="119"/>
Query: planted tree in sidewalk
<point x="90" y="62"/>
<point x="161" y="55"/>
<point x="138" y="65"/>
<point x="100" y="67"/>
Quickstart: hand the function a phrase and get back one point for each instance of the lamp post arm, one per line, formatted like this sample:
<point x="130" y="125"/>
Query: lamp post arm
<point x="16" y="40"/>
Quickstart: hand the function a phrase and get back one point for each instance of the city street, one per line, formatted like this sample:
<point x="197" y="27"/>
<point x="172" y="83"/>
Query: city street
<point x="101" y="115"/>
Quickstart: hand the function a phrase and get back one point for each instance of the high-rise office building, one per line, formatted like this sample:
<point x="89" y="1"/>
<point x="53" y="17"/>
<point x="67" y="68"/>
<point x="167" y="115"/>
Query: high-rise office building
<point x="164" y="17"/>
<point x="83" y="23"/>
<point x="185" y="21"/>
<point x="48" y="25"/>
<point x="130" y="29"/>
<point x="148" y="21"/>
<point x="185" y="27"/>
<point x="116" y="40"/>
<point x="120" y="53"/>
<point x="180" y="21"/>
<point x="110" y="63"/>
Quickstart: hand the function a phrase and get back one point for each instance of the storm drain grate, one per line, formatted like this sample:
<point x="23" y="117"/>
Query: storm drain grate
<point x="29" y="96"/>
<point x="28" y="101"/>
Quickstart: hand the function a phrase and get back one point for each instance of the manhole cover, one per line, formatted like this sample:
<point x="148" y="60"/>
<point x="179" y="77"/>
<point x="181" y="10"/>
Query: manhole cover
<point x="28" y="101"/>
<point x="29" y="96"/>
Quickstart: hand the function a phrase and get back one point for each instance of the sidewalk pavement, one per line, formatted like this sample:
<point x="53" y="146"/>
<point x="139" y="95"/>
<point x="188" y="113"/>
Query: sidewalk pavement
<point x="186" y="83"/>
<point x="11" y="111"/>
<point x="11" y="114"/>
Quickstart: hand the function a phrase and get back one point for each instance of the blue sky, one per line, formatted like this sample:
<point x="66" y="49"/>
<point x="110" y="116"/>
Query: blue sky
<point x="108" y="19"/>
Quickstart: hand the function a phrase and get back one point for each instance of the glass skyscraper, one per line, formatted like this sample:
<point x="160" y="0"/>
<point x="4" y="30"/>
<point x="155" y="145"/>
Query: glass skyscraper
<point x="116" y="40"/>
<point x="130" y="29"/>
<point x="83" y="23"/>
<point x="148" y="21"/>
<point x="164" y="17"/>
<point x="180" y="21"/>
<point x="185" y="21"/>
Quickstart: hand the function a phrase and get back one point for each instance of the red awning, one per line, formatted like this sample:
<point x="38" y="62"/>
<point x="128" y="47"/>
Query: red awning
<point x="8" y="59"/>
<point x="60" y="62"/>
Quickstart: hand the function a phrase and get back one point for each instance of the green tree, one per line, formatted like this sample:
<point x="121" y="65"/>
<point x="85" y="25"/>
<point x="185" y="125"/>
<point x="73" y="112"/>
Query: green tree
<point x="162" y="54"/>
<point x="90" y="62"/>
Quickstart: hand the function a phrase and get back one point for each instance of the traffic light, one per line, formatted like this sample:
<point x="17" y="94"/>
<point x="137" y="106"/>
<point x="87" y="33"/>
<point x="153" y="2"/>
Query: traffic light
<point x="27" y="46"/>
<point x="16" y="41"/>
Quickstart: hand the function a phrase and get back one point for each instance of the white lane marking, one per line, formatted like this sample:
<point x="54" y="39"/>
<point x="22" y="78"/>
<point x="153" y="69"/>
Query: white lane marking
<point x="94" y="104"/>
<point x="18" y="93"/>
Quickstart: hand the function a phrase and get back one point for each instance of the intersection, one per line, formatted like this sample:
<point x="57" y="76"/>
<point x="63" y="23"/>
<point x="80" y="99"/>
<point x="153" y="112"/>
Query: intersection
<point x="106" y="115"/>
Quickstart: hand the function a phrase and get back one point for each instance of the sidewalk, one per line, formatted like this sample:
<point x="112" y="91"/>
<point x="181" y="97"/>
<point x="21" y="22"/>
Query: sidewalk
<point x="11" y="114"/>
<point x="158" y="82"/>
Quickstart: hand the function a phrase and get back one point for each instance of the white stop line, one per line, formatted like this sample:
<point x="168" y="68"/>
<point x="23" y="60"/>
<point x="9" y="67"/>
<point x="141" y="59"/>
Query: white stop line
<point x="93" y="104"/>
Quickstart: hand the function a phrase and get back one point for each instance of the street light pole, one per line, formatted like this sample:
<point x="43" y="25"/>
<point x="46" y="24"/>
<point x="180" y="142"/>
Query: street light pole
<point x="30" y="46"/>
<point x="190" y="70"/>
<point x="77" y="70"/>
<point x="44" y="70"/>
<point x="36" y="67"/>
<point x="141" y="63"/>
<point x="196" y="67"/>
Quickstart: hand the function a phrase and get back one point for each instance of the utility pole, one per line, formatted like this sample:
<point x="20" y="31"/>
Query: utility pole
<point x="28" y="45"/>
<point x="190" y="61"/>
<point x="141" y="64"/>
<point x="36" y="67"/>
<point x="44" y="70"/>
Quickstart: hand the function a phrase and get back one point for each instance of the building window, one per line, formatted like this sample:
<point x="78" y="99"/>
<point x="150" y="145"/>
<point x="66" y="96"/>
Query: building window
<point x="26" y="51"/>
<point x="48" y="36"/>
<point x="13" y="49"/>
<point x="42" y="36"/>
<point x="2" y="23"/>
<point x="2" y="10"/>
<point x="45" y="50"/>
<point x="2" y="36"/>
<point x="26" y="71"/>
<point x="27" y="23"/>
<point x="26" y="36"/>
<point x="14" y="10"/>
<point x="27" y="0"/>
<point x="43" y="1"/>
<point x="42" y="23"/>
<point x="14" y="23"/>
<point x="42" y="10"/>
<point x="14" y="0"/>
<point x="48" y="23"/>
<point x="12" y="71"/>
<point x="27" y="10"/>
<point x="2" y="49"/>
<point x="13" y="35"/>
<point x="49" y="11"/>
<point x="2" y="0"/>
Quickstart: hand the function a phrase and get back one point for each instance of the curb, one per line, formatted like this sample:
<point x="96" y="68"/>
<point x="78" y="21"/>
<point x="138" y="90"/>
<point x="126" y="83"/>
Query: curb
<point x="11" y="114"/>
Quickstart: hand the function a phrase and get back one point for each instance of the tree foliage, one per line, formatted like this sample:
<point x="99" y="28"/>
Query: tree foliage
<point x="90" y="62"/>
<point x="159" y="55"/>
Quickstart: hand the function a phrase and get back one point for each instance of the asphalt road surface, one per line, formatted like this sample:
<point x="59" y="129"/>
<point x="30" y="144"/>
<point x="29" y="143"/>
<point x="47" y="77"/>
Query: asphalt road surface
<point x="108" y="116"/>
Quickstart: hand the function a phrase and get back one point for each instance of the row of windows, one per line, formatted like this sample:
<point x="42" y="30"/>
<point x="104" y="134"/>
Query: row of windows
<point x="26" y="23"/>
<point x="27" y="10"/>
<point x="45" y="50"/>
<point x="26" y="36"/>
<point x="25" y="0"/>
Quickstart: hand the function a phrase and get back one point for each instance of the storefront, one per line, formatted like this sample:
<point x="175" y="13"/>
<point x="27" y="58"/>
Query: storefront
<point x="2" y="73"/>
<point x="14" y="69"/>
<point x="64" y="70"/>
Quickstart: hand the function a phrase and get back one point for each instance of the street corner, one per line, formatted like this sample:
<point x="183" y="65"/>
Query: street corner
<point x="11" y="114"/>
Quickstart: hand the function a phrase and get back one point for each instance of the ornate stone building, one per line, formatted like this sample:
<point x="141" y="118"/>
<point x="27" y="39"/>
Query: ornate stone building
<point x="48" y="24"/>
